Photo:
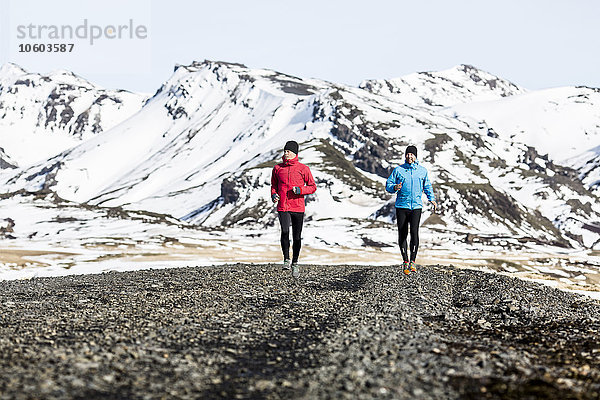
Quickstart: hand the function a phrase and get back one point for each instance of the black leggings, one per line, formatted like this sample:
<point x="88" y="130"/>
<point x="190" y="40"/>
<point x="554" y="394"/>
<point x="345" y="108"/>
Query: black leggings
<point x="404" y="217"/>
<point x="295" y="219"/>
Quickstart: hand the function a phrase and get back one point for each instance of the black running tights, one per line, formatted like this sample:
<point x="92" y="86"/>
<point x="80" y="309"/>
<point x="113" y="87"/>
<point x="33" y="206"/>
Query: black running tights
<point x="295" y="219"/>
<point x="404" y="218"/>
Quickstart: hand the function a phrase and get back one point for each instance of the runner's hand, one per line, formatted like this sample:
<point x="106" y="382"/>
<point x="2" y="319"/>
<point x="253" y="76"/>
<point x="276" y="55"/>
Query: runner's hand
<point x="297" y="190"/>
<point x="435" y="206"/>
<point x="398" y="187"/>
<point x="275" y="197"/>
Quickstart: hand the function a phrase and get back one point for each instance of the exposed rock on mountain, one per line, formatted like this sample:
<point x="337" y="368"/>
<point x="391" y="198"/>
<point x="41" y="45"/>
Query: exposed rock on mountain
<point x="461" y="84"/>
<point x="202" y="149"/>
<point x="41" y="115"/>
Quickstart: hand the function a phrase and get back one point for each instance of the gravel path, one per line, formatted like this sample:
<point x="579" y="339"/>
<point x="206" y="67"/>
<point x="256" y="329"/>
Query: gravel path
<point x="241" y="331"/>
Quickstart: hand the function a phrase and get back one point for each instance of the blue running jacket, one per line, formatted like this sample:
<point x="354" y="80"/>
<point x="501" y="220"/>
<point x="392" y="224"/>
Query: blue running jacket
<point x="414" y="182"/>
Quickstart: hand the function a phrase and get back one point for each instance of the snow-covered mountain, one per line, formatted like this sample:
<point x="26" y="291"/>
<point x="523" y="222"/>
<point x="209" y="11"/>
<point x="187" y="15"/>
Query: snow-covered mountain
<point x="563" y="123"/>
<point x="461" y="84"/>
<point x="588" y="166"/>
<point x="560" y="122"/>
<point x="42" y="115"/>
<point x="202" y="149"/>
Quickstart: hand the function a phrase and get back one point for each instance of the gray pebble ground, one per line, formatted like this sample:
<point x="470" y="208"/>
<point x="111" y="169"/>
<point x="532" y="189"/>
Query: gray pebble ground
<point x="338" y="332"/>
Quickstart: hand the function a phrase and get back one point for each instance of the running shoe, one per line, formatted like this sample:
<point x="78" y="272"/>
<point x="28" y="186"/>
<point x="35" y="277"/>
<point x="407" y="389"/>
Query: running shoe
<point x="295" y="270"/>
<point x="286" y="264"/>
<point x="406" y="268"/>
<point x="413" y="266"/>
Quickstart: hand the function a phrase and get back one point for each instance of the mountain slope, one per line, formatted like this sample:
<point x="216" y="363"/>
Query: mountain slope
<point x="40" y="116"/>
<point x="202" y="149"/>
<point x="587" y="165"/>
<point x="5" y="161"/>
<point x="461" y="84"/>
<point x="559" y="122"/>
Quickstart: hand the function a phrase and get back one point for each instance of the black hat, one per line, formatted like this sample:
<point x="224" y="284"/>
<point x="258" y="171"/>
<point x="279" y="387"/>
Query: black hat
<point x="411" y="149"/>
<point x="291" y="146"/>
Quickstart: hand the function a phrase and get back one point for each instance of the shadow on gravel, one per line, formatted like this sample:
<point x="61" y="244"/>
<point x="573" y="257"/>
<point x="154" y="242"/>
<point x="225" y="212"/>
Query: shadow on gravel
<point x="271" y="365"/>
<point x="352" y="282"/>
<point x="505" y="388"/>
<point x="268" y="367"/>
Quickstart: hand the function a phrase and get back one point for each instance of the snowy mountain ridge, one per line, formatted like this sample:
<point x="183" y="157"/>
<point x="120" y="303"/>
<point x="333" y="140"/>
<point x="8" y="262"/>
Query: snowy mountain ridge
<point x="460" y="84"/>
<point x="42" y="115"/>
<point x="202" y="148"/>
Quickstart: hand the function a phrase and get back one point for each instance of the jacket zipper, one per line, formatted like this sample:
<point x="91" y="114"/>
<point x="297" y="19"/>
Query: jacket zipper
<point x="411" y="191"/>
<point x="286" y="197"/>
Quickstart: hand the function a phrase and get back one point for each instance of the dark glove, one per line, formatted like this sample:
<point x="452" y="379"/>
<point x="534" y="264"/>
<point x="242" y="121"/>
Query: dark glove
<point x="275" y="197"/>
<point x="297" y="190"/>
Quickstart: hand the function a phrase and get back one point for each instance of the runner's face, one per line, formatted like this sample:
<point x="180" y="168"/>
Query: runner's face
<point x="410" y="158"/>
<point x="289" y="154"/>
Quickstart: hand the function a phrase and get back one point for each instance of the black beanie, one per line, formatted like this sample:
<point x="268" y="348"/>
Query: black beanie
<point x="291" y="146"/>
<point x="411" y="149"/>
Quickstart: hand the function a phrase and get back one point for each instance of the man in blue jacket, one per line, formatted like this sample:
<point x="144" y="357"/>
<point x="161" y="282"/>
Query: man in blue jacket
<point x="409" y="181"/>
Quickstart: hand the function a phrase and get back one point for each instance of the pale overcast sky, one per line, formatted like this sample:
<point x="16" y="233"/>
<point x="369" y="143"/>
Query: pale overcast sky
<point x="533" y="43"/>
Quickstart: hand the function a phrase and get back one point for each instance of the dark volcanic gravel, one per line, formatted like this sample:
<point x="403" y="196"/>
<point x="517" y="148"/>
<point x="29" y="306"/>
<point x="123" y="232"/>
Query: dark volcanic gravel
<point x="241" y="331"/>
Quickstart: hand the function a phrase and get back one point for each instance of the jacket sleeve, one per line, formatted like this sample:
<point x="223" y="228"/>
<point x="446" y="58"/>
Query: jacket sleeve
<point x="274" y="181"/>
<point x="391" y="182"/>
<point x="427" y="188"/>
<point x="309" y="182"/>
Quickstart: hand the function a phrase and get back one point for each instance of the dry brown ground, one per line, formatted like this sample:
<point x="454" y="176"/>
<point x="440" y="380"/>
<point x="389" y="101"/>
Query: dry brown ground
<point x="219" y="251"/>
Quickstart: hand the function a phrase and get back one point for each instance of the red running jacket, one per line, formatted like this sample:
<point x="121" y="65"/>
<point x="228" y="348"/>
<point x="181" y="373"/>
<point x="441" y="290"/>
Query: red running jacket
<point x="285" y="176"/>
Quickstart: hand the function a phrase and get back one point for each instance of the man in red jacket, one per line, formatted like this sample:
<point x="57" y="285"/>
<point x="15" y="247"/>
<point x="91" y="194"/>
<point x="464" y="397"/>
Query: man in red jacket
<point x="290" y="182"/>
